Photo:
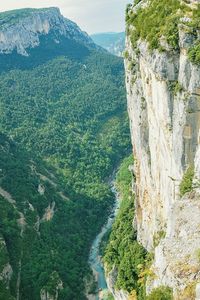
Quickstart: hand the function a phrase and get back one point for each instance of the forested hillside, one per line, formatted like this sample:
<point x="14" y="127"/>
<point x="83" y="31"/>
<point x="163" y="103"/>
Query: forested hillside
<point x="64" y="130"/>
<point x="126" y="261"/>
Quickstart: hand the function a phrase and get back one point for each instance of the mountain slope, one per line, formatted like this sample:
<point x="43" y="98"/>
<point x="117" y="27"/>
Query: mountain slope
<point x="62" y="99"/>
<point x="21" y="29"/>
<point x="112" y="42"/>
<point x="29" y="195"/>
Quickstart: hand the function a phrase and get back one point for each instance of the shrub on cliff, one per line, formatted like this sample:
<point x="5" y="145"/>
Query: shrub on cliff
<point x="161" y="293"/>
<point x="186" y="183"/>
<point x="194" y="54"/>
<point x="159" y="21"/>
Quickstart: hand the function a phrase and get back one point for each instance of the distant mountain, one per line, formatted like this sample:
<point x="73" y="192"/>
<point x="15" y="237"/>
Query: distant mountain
<point x="111" y="41"/>
<point x="64" y="130"/>
<point x="22" y="29"/>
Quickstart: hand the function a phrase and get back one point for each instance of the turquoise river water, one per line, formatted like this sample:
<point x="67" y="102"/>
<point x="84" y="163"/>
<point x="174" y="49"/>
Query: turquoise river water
<point x="94" y="257"/>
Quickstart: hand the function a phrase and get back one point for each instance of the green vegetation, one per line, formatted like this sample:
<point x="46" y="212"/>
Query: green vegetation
<point x="11" y="17"/>
<point x="158" y="236"/>
<point x="136" y="2"/>
<point x="64" y="108"/>
<point x="162" y="19"/>
<point x="126" y="54"/>
<point x="175" y="87"/>
<point x="161" y="293"/>
<point x="58" y="246"/>
<point x="59" y="111"/>
<point x="194" y="53"/>
<point x="4" y="258"/>
<point x="186" y="183"/>
<point x="4" y="292"/>
<point x="108" y="296"/>
<point x="123" y="252"/>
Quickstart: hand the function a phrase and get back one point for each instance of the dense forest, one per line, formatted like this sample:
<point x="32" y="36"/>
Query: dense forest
<point x="123" y="253"/>
<point x="64" y="129"/>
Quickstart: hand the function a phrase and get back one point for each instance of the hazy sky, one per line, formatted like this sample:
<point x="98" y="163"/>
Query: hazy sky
<point x="91" y="15"/>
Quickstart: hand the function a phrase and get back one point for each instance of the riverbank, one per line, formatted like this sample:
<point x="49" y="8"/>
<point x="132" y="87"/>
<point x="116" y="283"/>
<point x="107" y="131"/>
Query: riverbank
<point x="95" y="259"/>
<point x="124" y="257"/>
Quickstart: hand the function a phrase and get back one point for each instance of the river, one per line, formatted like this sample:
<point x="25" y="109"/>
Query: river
<point x="94" y="257"/>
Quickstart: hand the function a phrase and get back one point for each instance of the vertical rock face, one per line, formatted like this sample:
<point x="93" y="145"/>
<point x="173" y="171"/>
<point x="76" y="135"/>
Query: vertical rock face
<point x="164" y="128"/>
<point x="22" y="29"/>
<point x="111" y="282"/>
<point x="164" y="109"/>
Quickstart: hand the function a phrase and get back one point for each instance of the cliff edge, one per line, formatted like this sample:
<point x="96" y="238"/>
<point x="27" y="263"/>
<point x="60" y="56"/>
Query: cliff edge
<point x="162" y="61"/>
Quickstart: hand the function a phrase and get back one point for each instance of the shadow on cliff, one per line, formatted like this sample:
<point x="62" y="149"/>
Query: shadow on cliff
<point x="50" y="47"/>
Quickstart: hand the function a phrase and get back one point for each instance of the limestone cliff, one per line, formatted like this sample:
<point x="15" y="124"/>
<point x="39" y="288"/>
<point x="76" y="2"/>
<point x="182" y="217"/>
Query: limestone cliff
<point x="163" y="87"/>
<point x="111" y="282"/>
<point x="22" y="29"/>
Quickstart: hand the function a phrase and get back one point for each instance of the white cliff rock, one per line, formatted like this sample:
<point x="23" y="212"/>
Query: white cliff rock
<point x="163" y="104"/>
<point x="49" y="213"/>
<point x="111" y="280"/>
<point x="58" y="285"/>
<point x="6" y="270"/>
<point x="6" y="274"/>
<point x="25" y="33"/>
<point x="41" y="189"/>
<point x="177" y="256"/>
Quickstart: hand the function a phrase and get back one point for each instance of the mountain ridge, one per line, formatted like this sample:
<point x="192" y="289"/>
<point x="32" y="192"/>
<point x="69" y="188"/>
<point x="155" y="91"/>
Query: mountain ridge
<point x="21" y="29"/>
<point x="113" y="42"/>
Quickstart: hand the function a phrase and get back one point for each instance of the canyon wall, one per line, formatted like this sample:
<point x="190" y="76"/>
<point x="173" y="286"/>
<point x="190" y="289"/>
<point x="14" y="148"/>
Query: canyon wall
<point x="22" y="29"/>
<point x="163" y="88"/>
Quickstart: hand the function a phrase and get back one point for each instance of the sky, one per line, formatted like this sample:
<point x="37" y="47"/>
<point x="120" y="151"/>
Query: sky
<point x="93" y="16"/>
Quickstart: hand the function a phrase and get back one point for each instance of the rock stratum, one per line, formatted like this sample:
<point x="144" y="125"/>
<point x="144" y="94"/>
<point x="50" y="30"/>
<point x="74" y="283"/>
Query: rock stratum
<point x="163" y="87"/>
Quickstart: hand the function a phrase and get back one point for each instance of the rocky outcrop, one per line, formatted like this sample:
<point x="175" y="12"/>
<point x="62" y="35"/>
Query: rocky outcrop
<point x="6" y="270"/>
<point x="49" y="213"/>
<point x="111" y="280"/>
<point x="44" y="295"/>
<point x="25" y="32"/>
<point x="55" y="284"/>
<point x="177" y="255"/>
<point x="163" y="104"/>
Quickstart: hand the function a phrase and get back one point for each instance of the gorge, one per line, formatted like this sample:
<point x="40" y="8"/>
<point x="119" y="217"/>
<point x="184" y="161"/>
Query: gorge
<point x="64" y="130"/>
<point x="61" y="138"/>
<point x="163" y="88"/>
